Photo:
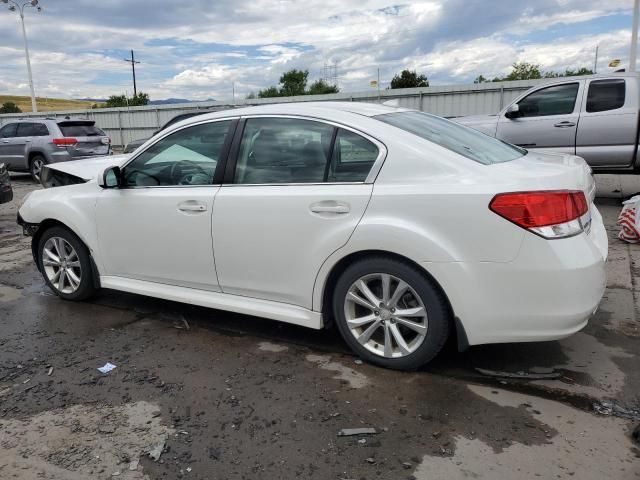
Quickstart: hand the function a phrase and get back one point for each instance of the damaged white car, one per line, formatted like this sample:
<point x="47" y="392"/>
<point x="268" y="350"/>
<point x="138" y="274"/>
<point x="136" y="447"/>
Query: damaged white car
<point x="401" y="227"/>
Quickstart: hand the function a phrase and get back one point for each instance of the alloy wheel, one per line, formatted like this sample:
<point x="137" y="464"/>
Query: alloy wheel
<point x="386" y="315"/>
<point x="36" y="168"/>
<point x="61" y="265"/>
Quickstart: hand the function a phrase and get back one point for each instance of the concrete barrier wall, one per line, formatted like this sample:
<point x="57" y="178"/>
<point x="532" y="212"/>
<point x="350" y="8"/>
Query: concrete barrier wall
<point x="126" y="124"/>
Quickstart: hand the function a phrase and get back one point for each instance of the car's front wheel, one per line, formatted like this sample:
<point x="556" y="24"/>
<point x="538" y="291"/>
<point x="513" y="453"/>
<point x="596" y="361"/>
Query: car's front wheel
<point x="35" y="167"/>
<point x="390" y="313"/>
<point x="65" y="264"/>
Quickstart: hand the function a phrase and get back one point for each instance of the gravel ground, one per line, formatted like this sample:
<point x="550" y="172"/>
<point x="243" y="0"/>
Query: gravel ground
<point x="206" y="394"/>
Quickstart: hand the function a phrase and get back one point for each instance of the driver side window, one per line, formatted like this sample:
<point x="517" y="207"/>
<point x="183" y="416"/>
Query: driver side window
<point x="186" y="157"/>
<point x="8" y="131"/>
<point x="555" y="100"/>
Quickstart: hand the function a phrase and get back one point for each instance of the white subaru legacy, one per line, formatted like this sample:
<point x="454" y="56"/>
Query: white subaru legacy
<point x="402" y="228"/>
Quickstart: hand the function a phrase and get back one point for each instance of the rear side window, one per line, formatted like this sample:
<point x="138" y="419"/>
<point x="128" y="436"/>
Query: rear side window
<point x="283" y="150"/>
<point x="353" y="158"/>
<point x="32" y="130"/>
<point x="8" y="131"/>
<point x="605" y="95"/>
<point x="452" y="136"/>
<point x="80" y="130"/>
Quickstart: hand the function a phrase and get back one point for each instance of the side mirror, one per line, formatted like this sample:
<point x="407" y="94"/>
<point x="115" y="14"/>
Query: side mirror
<point x="110" y="178"/>
<point x="513" y="111"/>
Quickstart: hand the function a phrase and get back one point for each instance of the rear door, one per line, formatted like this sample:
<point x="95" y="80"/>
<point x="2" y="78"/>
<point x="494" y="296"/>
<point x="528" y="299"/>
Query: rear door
<point x="609" y="123"/>
<point x="90" y="140"/>
<point x="290" y="199"/>
<point x="548" y="119"/>
<point x="9" y="155"/>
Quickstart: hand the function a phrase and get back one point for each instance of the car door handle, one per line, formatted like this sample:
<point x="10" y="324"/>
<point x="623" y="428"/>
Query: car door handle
<point x="565" y="124"/>
<point x="330" y="206"/>
<point x="192" y="206"/>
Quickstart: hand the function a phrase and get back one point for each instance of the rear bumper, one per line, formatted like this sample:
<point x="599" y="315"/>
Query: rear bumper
<point x="547" y="293"/>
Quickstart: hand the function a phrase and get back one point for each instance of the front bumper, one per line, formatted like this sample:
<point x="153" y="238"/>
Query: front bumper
<point x="28" y="229"/>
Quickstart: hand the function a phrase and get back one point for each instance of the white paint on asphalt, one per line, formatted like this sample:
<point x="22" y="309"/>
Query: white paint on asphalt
<point x="586" y="447"/>
<point x="349" y="375"/>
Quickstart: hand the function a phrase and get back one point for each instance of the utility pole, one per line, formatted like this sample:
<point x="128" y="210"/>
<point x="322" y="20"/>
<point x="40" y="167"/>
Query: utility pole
<point x="16" y="7"/>
<point x="634" y="37"/>
<point x="595" y="63"/>
<point x="133" y="62"/>
<point x="378" y="84"/>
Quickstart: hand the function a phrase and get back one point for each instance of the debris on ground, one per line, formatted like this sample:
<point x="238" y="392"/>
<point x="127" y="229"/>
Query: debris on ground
<point x="357" y="361"/>
<point x="348" y="432"/>
<point x="133" y="465"/>
<point x="612" y="408"/>
<point x="537" y="373"/>
<point x="156" y="451"/>
<point x="106" y="368"/>
<point x="50" y="371"/>
<point x="184" y="325"/>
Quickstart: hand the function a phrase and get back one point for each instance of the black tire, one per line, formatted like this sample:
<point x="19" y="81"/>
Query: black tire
<point x="86" y="287"/>
<point x="436" y="305"/>
<point x="33" y="163"/>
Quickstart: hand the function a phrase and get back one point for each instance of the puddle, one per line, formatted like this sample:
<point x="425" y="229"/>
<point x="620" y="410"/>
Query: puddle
<point x="586" y="446"/>
<point x="349" y="375"/>
<point x="80" y="442"/>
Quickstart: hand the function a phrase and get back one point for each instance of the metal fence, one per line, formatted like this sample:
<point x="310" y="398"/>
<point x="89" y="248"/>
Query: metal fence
<point x="126" y="124"/>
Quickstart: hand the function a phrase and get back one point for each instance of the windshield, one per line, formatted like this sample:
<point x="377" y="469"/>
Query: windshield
<point x="452" y="136"/>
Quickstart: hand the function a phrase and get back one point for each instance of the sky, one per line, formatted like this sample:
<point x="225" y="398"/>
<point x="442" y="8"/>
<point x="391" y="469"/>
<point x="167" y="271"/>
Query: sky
<point x="202" y="49"/>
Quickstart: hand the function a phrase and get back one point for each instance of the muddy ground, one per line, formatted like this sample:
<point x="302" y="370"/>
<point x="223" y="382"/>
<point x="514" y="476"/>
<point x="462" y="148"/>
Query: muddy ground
<point x="206" y="394"/>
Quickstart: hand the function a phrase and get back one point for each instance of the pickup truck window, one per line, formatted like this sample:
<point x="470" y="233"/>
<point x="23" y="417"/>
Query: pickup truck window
<point x="605" y="95"/>
<point x="452" y="136"/>
<point x="555" y="100"/>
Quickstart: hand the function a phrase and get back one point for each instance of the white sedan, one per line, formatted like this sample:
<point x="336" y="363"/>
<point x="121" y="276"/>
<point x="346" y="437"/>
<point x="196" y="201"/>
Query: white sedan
<point x="400" y="227"/>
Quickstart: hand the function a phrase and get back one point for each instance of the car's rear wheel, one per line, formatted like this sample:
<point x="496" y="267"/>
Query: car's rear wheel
<point x="65" y="264"/>
<point x="390" y="313"/>
<point x="35" y="167"/>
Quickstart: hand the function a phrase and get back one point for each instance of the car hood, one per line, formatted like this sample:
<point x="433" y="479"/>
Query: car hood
<point x="89" y="168"/>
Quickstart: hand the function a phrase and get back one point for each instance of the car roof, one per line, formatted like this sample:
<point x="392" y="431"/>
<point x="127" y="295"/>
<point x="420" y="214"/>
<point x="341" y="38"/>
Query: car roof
<point x="326" y="110"/>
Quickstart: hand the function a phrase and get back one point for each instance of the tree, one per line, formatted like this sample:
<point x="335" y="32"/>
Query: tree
<point x="251" y="96"/>
<point x="269" y="92"/>
<point x="321" y="87"/>
<point x="409" y="79"/>
<point x="124" y="101"/>
<point x="294" y="82"/>
<point x="531" y="71"/>
<point x="481" y="79"/>
<point x="10" y="107"/>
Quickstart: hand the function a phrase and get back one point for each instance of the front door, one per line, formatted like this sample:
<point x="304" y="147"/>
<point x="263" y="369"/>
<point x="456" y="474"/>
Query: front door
<point x="157" y="225"/>
<point x="547" y="119"/>
<point x="293" y="200"/>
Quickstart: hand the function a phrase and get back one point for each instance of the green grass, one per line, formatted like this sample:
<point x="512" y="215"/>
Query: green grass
<point x="45" y="104"/>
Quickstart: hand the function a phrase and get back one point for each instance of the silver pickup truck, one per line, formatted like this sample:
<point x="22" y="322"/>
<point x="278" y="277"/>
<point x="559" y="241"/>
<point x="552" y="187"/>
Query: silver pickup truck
<point x="595" y="117"/>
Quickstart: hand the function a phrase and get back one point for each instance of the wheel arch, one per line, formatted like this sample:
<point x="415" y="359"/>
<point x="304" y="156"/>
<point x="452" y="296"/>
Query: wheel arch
<point x="52" y="222"/>
<point x="339" y="267"/>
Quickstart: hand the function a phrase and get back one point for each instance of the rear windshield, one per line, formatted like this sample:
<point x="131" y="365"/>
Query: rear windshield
<point x="80" y="130"/>
<point x="457" y="138"/>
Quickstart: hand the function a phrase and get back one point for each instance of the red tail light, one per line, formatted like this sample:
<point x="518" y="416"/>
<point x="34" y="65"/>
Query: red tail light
<point x="533" y="210"/>
<point x="65" y="141"/>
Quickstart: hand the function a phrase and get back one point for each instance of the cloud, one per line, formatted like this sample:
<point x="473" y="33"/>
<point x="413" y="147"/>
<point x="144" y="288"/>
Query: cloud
<point x="200" y="49"/>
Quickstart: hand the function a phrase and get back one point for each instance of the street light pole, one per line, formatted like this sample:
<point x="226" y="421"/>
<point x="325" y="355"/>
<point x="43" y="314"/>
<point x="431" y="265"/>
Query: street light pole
<point x="16" y="7"/>
<point x="634" y="37"/>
